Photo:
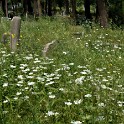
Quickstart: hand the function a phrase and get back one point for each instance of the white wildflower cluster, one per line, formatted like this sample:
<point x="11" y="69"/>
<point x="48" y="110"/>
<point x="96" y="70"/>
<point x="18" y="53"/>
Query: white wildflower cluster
<point x="31" y="83"/>
<point x="5" y="101"/>
<point x="51" y="113"/>
<point x="5" y="85"/>
<point x="101" y="104"/>
<point x="120" y="103"/>
<point x="76" y="122"/>
<point x="51" y="96"/>
<point x="65" y="67"/>
<point x="76" y="102"/>
<point x="68" y="103"/>
<point x="18" y="93"/>
<point x="20" y="77"/>
<point x="36" y="61"/>
<point x="80" y="80"/>
<point x="12" y="66"/>
<point x="61" y="89"/>
<point x="100" y="118"/>
<point x="88" y="95"/>
<point x="29" y="57"/>
<point x="49" y="83"/>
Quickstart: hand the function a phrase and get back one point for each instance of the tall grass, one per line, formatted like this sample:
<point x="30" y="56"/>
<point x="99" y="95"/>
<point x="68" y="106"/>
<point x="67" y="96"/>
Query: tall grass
<point x="81" y="81"/>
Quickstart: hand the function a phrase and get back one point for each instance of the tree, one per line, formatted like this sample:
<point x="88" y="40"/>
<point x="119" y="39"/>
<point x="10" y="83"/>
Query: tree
<point x="35" y="8"/>
<point x="116" y="11"/>
<point x="54" y="6"/>
<point x="27" y="6"/>
<point x="116" y="8"/>
<point x="0" y="4"/>
<point x="45" y="7"/>
<point x="3" y="6"/>
<point x="73" y="4"/>
<point x="49" y="7"/>
<point x="123" y="10"/>
<point x="66" y="7"/>
<point x="87" y="9"/>
<point x="39" y="8"/>
<point x="60" y="4"/>
<point x="102" y="13"/>
<point x="6" y="7"/>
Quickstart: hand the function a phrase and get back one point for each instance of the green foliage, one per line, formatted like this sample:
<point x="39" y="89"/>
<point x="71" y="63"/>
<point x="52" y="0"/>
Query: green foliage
<point x="1" y="12"/>
<point x="81" y="81"/>
<point x="116" y="12"/>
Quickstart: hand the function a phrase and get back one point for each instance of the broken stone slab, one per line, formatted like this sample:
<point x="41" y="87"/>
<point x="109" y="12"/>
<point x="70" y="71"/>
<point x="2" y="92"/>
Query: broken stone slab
<point x="48" y="47"/>
<point x="78" y="34"/>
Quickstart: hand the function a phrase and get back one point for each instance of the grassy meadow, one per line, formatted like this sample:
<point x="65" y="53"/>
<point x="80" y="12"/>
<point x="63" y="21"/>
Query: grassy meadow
<point x="80" y="82"/>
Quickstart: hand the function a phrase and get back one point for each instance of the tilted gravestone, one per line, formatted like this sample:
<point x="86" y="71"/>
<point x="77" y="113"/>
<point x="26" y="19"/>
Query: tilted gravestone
<point x="15" y="32"/>
<point x="48" y="47"/>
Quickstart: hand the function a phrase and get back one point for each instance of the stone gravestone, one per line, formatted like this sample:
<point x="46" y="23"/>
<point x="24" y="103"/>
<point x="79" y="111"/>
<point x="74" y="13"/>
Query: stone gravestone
<point x="48" y="47"/>
<point x="15" y="32"/>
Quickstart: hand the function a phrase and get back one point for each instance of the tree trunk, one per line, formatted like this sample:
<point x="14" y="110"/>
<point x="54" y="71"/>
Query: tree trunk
<point x="30" y="8"/>
<point x="35" y="8"/>
<point x="123" y="10"/>
<point x="97" y="14"/>
<point x="87" y="9"/>
<point x="39" y="8"/>
<point x="66" y="7"/>
<point x="49" y="7"/>
<point x="12" y="5"/>
<point x="73" y="4"/>
<point x="102" y="11"/>
<point x="3" y="7"/>
<point x="27" y="6"/>
<point x="45" y="7"/>
<point x="6" y="6"/>
<point x="0" y="5"/>
<point x="54" y="7"/>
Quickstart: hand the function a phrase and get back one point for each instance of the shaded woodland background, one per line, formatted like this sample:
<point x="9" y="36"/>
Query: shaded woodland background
<point x="102" y="11"/>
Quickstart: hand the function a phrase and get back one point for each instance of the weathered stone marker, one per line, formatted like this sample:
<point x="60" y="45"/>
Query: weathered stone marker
<point x="15" y="32"/>
<point x="48" y="47"/>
